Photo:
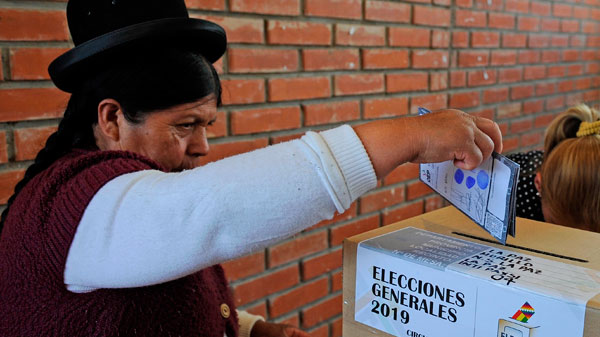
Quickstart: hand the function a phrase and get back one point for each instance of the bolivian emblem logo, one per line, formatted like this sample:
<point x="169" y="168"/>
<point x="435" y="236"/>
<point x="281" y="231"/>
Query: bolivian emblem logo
<point x="524" y="314"/>
<point x="518" y="324"/>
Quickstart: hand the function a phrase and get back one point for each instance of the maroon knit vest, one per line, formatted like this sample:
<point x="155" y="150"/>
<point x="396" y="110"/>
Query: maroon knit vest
<point x="34" y="246"/>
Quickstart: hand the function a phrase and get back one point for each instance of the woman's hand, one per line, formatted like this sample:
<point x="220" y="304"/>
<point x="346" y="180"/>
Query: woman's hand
<point x="454" y="135"/>
<point x="439" y="136"/>
<point x="266" y="329"/>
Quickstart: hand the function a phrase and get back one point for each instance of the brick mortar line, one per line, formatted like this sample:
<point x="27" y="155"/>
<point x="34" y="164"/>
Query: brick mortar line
<point x="330" y="73"/>
<point x="238" y="138"/>
<point x="390" y="71"/>
<point x="33" y="84"/>
<point x="303" y="113"/>
<point x="5" y="65"/>
<point x="289" y="46"/>
<point x="227" y="9"/>
<point x="13" y="166"/>
<point x="394" y="207"/>
<point x="530" y="15"/>
<point x="228" y="129"/>
<point x="35" y="44"/>
<point x="36" y="123"/>
<point x="24" y="4"/>
<point x="367" y="22"/>
<point x="300" y="48"/>
<point x="12" y="84"/>
<point x="358" y="217"/>
<point x="11" y="150"/>
<point x="300" y="130"/>
<point x="258" y="276"/>
<point x="241" y="45"/>
<point x="328" y="250"/>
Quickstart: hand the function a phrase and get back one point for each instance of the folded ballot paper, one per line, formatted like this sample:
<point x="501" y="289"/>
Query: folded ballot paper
<point x="486" y="194"/>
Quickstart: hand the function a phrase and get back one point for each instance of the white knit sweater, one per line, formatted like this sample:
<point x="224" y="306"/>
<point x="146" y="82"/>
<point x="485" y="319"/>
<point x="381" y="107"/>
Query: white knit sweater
<point x="150" y="227"/>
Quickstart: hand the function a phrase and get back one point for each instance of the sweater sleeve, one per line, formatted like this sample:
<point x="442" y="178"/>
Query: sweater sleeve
<point x="149" y="227"/>
<point x="246" y="322"/>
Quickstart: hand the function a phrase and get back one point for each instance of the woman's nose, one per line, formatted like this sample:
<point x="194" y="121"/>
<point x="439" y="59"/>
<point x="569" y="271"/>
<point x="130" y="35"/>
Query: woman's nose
<point x="198" y="145"/>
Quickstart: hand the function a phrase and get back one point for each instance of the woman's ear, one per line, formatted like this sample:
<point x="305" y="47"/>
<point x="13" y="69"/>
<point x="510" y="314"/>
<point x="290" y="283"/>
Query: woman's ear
<point x="538" y="182"/>
<point x="108" y="120"/>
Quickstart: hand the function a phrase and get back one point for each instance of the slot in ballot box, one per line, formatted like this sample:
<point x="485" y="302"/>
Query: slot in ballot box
<point x="438" y="275"/>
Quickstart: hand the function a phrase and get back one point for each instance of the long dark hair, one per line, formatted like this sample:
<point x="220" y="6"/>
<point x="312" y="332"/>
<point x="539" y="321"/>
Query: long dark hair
<point x="158" y="79"/>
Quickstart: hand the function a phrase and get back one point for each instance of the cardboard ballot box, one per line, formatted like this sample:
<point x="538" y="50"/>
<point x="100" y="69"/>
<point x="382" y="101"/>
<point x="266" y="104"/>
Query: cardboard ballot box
<point x="438" y="275"/>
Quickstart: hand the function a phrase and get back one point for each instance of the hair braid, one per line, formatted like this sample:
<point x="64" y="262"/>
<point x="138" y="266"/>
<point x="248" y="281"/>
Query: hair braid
<point x="71" y="133"/>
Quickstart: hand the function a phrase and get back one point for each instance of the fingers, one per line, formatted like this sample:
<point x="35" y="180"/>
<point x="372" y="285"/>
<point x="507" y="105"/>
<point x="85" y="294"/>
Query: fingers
<point x="294" y="332"/>
<point x="486" y="138"/>
<point x="476" y="151"/>
<point x="484" y="143"/>
<point x="492" y="130"/>
<point x="469" y="159"/>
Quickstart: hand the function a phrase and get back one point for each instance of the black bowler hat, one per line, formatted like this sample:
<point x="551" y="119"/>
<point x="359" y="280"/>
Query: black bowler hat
<point x="102" y="29"/>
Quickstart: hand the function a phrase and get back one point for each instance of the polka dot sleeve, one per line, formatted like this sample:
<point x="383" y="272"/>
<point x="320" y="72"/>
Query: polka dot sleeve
<point x="528" y="199"/>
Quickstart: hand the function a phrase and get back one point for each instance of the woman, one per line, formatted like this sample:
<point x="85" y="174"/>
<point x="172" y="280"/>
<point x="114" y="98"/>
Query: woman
<point x="563" y="187"/>
<point x="116" y="231"/>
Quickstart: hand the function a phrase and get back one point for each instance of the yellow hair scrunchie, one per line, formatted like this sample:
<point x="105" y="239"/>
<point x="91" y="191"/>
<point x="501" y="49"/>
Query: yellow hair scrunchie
<point x="587" y="129"/>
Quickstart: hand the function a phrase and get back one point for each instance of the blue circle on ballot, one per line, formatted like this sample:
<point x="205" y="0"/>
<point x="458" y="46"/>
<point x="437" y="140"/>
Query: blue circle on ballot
<point x="483" y="179"/>
<point x="470" y="182"/>
<point x="459" y="176"/>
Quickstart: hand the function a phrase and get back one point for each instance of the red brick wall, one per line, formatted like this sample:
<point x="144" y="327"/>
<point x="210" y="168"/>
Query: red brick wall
<point x="297" y="65"/>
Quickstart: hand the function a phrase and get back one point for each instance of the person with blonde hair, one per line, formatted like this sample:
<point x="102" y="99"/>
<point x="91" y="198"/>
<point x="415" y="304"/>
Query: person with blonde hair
<point x="567" y="180"/>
